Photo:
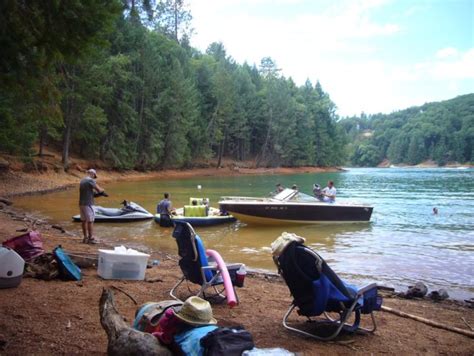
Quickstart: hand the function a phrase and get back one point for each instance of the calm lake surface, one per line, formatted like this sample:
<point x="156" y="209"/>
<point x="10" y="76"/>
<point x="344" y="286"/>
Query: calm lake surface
<point x="404" y="242"/>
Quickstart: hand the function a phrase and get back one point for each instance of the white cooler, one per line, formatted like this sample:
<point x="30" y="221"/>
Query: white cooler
<point x="11" y="268"/>
<point x="122" y="263"/>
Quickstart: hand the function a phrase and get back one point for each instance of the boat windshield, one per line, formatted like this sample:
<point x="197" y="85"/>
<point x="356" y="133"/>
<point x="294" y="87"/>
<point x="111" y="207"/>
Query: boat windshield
<point x="304" y="198"/>
<point x="294" y="195"/>
<point x="286" y="194"/>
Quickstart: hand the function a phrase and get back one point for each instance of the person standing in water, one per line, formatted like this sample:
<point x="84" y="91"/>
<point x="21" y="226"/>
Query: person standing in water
<point x="165" y="206"/>
<point x="87" y="187"/>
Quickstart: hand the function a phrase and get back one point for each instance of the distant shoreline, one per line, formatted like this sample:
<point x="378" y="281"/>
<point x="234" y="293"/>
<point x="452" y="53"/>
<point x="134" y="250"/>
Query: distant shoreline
<point x="425" y="164"/>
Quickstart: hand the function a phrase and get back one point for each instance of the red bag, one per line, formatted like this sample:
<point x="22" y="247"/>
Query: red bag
<point x="28" y="246"/>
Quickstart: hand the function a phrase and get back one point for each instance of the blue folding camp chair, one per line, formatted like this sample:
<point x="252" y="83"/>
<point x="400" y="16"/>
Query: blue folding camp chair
<point x="196" y="266"/>
<point x="317" y="290"/>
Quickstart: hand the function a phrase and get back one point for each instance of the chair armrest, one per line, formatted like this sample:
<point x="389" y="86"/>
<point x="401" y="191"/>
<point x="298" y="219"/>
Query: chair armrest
<point x="368" y="287"/>
<point x="232" y="266"/>
<point x="229" y="267"/>
<point x="212" y="268"/>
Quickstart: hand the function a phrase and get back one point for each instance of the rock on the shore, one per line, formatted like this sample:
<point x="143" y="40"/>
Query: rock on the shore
<point x="419" y="290"/>
<point x="437" y="295"/>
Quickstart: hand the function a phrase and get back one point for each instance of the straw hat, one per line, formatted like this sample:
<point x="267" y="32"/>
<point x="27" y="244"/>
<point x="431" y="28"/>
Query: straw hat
<point x="282" y="242"/>
<point x="196" y="311"/>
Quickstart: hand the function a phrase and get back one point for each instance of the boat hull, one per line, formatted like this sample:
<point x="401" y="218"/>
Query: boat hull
<point x="201" y="221"/>
<point x="293" y="213"/>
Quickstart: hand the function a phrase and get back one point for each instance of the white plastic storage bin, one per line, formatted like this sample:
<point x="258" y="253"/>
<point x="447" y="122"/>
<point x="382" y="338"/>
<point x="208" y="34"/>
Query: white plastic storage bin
<point x="120" y="265"/>
<point x="11" y="268"/>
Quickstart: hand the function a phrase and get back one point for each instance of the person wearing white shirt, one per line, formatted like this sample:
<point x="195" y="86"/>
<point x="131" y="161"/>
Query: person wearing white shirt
<point x="329" y="192"/>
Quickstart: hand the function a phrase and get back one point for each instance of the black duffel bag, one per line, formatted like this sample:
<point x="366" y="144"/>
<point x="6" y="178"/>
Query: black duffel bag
<point x="227" y="341"/>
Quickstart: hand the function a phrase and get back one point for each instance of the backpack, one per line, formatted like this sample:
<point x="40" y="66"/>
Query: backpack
<point x="227" y="341"/>
<point x="28" y="245"/>
<point x="148" y="315"/>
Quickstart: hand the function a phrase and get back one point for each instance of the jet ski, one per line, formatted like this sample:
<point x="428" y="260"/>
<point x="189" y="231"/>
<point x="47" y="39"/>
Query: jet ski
<point x="129" y="212"/>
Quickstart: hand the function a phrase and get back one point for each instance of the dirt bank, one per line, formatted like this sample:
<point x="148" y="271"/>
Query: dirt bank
<point x="57" y="317"/>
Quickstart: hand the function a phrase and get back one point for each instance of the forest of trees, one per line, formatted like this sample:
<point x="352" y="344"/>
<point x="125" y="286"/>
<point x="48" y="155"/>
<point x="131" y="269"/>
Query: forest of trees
<point x="119" y="81"/>
<point x="442" y="132"/>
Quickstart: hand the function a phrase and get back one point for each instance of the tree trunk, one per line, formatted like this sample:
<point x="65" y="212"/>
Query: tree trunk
<point x="176" y="20"/>
<point x="219" y="155"/>
<point x="42" y="138"/>
<point x="141" y="127"/>
<point x="221" y="151"/>
<point x="68" y="122"/>
<point x="263" y="154"/>
<point x="123" y="340"/>
<point x="66" y="140"/>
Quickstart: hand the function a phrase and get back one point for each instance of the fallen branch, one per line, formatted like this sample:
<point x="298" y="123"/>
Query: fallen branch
<point x="429" y="322"/>
<point x="58" y="227"/>
<point x="124" y="340"/>
<point x="128" y="295"/>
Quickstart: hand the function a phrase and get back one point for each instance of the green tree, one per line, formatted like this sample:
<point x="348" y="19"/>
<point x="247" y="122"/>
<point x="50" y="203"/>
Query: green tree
<point x="173" y="18"/>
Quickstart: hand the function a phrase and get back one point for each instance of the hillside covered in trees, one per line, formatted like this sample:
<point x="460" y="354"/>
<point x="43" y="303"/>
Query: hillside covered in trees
<point x="441" y="131"/>
<point x="118" y="81"/>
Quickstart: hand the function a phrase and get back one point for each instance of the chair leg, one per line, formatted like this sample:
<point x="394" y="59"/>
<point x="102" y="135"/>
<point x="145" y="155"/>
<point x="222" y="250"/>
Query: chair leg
<point x="206" y="285"/>
<point x="341" y="323"/>
<point x="175" y="287"/>
<point x="359" y="329"/>
<point x="372" y="329"/>
<point x="203" y="288"/>
<point x="299" y="331"/>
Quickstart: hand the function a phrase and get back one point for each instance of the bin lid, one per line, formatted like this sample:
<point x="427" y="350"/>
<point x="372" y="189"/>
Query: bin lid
<point x="128" y="252"/>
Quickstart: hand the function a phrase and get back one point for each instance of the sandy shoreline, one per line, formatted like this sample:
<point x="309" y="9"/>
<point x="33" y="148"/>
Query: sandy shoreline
<point x="54" y="317"/>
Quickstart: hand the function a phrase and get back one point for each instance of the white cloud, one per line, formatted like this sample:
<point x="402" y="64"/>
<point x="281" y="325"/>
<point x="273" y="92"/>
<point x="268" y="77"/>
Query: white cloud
<point x="461" y="68"/>
<point x="447" y="52"/>
<point x="335" y="44"/>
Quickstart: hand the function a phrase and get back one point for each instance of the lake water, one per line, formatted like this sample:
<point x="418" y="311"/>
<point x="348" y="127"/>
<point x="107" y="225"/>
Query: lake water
<point x="404" y="242"/>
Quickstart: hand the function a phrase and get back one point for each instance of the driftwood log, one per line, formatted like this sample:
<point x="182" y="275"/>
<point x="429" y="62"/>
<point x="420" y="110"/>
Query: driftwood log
<point x="429" y="322"/>
<point x="124" y="340"/>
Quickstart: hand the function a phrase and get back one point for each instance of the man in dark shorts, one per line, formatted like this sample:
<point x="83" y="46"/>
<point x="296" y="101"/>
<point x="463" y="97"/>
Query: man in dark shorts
<point x="164" y="206"/>
<point x="87" y="187"/>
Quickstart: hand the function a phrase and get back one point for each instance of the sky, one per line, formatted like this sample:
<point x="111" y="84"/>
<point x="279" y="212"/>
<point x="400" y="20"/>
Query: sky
<point x="370" y="56"/>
